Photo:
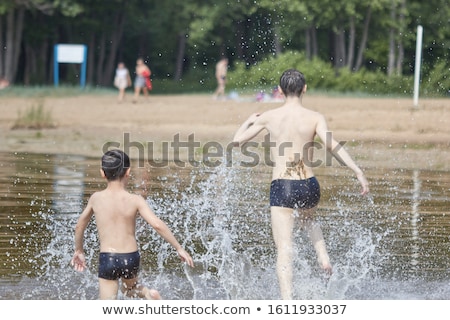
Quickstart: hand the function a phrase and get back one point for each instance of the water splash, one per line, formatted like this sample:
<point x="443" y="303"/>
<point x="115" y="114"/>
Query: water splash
<point x="223" y="220"/>
<point x="212" y="216"/>
<point x="221" y="216"/>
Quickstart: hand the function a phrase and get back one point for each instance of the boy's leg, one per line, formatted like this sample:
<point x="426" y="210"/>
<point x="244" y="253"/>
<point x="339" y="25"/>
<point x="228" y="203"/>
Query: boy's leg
<point x="315" y="234"/>
<point x="132" y="288"/>
<point x="108" y="289"/>
<point x="282" y="228"/>
<point x="221" y="89"/>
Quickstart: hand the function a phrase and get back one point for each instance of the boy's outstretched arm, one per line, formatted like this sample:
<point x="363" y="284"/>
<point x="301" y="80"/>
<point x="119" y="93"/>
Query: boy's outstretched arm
<point x="340" y="153"/>
<point x="162" y="229"/>
<point x="78" y="261"/>
<point x="248" y="130"/>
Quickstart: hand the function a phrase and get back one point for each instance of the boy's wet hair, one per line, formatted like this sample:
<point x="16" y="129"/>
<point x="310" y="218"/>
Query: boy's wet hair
<point x="292" y="82"/>
<point x="115" y="164"/>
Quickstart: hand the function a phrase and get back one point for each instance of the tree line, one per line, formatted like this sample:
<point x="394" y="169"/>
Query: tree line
<point x="181" y="37"/>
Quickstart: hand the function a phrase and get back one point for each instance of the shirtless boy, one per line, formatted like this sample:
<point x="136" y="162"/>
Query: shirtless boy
<point x="116" y="211"/>
<point x="294" y="186"/>
<point x="221" y="77"/>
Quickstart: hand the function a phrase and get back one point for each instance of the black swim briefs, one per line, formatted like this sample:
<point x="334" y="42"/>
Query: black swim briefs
<point x="113" y="266"/>
<point x="301" y="194"/>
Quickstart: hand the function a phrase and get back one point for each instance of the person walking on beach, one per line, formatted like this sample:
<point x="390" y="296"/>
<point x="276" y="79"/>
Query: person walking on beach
<point x="221" y="77"/>
<point x="142" y="82"/>
<point x="116" y="211"/>
<point x="122" y="80"/>
<point x="292" y="128"/>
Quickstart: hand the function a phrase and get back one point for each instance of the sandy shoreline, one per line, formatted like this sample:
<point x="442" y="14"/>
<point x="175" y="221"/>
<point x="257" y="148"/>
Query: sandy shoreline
<point x="380" y="133"/>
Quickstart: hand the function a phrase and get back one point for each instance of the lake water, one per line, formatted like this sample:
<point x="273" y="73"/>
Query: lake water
<point x="394" y="244"/>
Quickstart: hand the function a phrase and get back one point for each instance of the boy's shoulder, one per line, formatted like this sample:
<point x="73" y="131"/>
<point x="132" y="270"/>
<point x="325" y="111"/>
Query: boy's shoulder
<point x="96" y="194"/>
<point x="101" y="196"/>
<point x="274" y="111"/>
<point x="311" y="112"/>
<point x="134" y="197"/>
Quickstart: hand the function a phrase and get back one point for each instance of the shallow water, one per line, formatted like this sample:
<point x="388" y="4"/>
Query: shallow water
<point x="394" y="244"/>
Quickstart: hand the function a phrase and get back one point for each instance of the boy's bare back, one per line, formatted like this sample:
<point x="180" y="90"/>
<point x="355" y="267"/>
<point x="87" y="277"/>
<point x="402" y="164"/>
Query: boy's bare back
<point x="292" y="130"/>
<point x="115" y="214"/>
<point x="116" y="211"/>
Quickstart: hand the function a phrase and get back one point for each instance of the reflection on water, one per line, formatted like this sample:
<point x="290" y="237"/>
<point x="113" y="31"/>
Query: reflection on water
<point x="394" y="244"/>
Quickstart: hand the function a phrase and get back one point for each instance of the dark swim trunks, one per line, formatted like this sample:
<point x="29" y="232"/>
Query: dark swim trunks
<point x="113" y="266"/>
<point x="298" y="194"/>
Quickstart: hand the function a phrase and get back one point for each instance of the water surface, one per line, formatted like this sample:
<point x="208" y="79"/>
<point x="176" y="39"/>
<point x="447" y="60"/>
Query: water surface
<point x="394" y="244"/>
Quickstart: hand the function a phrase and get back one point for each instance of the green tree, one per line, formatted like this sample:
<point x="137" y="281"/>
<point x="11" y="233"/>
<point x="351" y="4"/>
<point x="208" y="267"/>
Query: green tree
<point x="187" y="37"/>
<point x="12" y="14"/>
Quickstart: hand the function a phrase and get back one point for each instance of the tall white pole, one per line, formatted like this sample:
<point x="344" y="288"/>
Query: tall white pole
<point x="418" y="63"/>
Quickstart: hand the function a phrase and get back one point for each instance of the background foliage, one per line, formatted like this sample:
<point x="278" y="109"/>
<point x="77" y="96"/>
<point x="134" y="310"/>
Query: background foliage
<point x="350" y="45"/>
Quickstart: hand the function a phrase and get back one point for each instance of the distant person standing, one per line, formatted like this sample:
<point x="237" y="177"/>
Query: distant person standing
<point x="221" y="77"/>
<point x="122" y="80"/>
<point x="142" y="80"/>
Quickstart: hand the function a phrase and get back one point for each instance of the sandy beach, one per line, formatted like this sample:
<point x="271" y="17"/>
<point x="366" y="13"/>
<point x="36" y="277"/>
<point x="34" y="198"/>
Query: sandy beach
<point x="379" y="132"/>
